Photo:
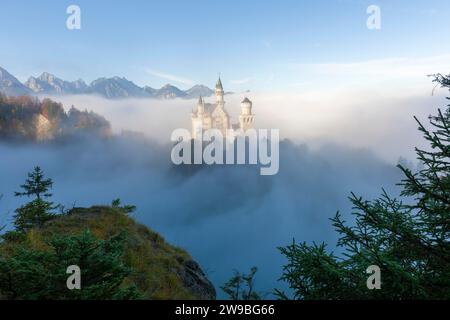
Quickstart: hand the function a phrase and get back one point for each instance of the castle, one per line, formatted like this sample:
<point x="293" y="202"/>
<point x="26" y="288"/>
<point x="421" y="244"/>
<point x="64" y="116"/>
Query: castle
<point x="214" y="116"/>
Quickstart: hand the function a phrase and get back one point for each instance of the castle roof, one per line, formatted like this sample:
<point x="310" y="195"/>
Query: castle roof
<point x="219" y="84"/>
<point x="246" y="100"/>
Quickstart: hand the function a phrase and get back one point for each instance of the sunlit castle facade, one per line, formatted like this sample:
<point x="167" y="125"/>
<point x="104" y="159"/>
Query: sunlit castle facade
<point x="214" y="116"/>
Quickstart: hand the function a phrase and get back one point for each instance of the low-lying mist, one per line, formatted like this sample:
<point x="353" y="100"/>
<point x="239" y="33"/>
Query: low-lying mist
<point x="230" y="217"/>
<point x="225" y="217"/>
<point x="380" y="120"/>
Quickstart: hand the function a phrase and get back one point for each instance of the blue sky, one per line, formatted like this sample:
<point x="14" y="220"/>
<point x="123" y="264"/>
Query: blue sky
<point x="255" y="45"/>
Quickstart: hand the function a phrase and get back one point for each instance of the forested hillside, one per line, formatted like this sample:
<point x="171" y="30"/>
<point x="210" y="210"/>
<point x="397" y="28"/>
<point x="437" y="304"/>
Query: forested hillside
<point x="30" y="119"/>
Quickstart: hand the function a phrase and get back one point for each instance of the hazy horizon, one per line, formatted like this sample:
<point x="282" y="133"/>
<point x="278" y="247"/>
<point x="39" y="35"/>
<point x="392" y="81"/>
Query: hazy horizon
<point x="342" y="93"/>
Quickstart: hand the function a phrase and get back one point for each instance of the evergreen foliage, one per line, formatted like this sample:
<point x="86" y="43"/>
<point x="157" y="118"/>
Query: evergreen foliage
<point x="33" y="274"/>
<point x="38" y="211"/>
<point x="241" y="286"/>
<point x="407" y="238"/>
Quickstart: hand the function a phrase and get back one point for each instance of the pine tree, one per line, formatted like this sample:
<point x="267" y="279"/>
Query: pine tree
<point x="127" y="209"/>
<point x="36" y="212"/>
<point x="407" y="239"/>
<point x="31" y="274"/>
<point x="36" y="185"/>
<point x="241" y="286"/>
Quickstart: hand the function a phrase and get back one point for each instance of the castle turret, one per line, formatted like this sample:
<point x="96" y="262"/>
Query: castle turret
<point x="219" y="93"/>
<point x="200" y="106"/>
<point x="246" y="118"/>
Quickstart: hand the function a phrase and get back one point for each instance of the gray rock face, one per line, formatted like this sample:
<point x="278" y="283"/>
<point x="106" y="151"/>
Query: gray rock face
<point x="199" y="90"/>
<point x="47" y="83"/>
<point x="169" y="92"/>
<point x="10" y="85"/>
<point x="115" y="88"/>
<point x="195" y="280"/>
<point x="150" y="91"/>
<point x="111" y="88"/>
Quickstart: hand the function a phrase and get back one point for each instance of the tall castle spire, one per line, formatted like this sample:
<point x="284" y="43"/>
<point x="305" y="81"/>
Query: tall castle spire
<point x="219" y="93"/>
<point x="219" y="84"/>
<point x="200" y="105"/>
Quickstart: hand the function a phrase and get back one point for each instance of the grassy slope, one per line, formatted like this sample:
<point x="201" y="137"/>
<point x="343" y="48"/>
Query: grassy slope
<point x="157" y="265"/>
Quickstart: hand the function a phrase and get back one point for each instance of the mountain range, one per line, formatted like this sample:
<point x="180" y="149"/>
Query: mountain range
<point x="111" y="88"/>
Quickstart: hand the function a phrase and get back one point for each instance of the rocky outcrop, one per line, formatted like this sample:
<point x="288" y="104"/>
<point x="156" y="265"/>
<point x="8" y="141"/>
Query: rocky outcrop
<point x="195" y="280"/>
<point x="159" y="270"/>
<point x="30" y="119"/>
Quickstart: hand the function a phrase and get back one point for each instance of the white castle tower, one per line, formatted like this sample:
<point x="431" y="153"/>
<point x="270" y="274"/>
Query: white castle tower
<point x="221" y="119"/>
<point x="214" y="116"/>
<point x="219" y="93"/>
<point x="246" y="118"/>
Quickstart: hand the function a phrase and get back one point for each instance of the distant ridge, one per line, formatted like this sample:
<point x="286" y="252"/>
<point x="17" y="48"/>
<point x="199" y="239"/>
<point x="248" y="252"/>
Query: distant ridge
<point x="49" y="84"/>
<point x="111" y="88"/>
<point x="9" y="84"/>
